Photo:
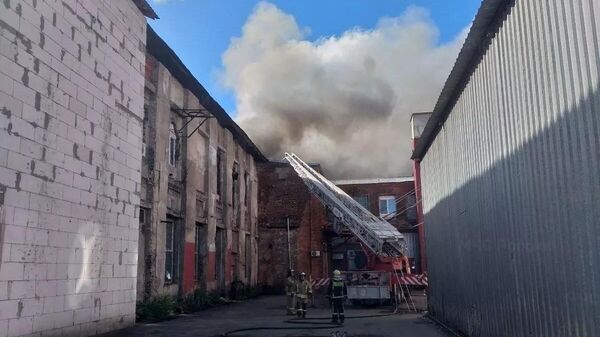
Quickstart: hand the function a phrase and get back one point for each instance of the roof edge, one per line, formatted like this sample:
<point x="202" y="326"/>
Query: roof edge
<point x="372" y="181"/>
<point x="145" y="8"/>
<point x="487" y="21"/>
<point x="159" y="49"/>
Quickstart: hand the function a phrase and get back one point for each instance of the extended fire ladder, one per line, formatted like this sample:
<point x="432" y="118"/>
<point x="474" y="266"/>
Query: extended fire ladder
<point x="376" y="234"/>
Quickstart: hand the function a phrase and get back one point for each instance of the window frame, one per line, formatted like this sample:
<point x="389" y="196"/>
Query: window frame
<point x="235" y="181"/>
<point x="173" y="252"/>
<point x="366" y="198"/>
<point x="172" y="146"/>
<point x="387" y="199"/>
<point x="246" y="187"/>
<point x="248" y="257"/>
<point x="220" y="174"/>
<point x="145" y="122"/>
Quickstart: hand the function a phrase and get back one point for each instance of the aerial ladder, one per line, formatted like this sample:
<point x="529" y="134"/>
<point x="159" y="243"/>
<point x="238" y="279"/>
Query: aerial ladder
<point x="376" y="235"/>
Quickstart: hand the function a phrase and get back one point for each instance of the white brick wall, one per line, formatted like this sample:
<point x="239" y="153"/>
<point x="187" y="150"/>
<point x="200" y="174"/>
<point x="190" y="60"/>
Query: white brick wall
<point x="71" y="105"/>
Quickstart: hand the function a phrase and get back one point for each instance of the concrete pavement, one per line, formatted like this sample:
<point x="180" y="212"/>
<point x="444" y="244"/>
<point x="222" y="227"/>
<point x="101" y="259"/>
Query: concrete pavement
<point x="269" y="311"/>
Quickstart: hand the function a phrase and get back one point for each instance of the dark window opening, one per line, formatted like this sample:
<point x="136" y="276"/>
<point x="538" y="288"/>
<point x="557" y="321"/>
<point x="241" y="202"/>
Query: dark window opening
<point x="171" y="253"/>
<point x="142" y="216"/>
<point x="234" y="186"/>
<point x="200" y="241"/>
<point x="246" y="187"/>
<point x="172" y="145"/>
<point x="248" y="252"/>
<point x="220" y="170"/>
<point x="144" y="131"/>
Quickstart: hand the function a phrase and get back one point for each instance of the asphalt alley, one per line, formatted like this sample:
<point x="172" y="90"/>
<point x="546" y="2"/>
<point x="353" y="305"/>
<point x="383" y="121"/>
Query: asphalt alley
<point x="269" y="311"/>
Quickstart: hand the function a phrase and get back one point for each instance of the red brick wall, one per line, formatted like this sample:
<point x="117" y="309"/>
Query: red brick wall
<point x="282" y="194"/>
<point x="373" y="191"/>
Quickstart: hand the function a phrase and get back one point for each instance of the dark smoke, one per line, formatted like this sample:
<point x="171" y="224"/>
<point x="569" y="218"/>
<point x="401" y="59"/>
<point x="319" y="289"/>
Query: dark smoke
<point x="345" y="101"/>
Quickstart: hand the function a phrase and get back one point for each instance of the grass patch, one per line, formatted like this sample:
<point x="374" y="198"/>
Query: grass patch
<point x="157" y="308"/>
<point x="165" y="306"/>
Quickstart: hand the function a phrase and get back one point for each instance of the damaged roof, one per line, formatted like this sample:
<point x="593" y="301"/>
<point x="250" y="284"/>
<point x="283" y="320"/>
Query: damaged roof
<point x="158" y="48"/>
<point x="487" y="21"/>
<point x="145" y="8"/>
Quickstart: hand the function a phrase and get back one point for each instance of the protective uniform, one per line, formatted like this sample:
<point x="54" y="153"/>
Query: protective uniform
<point x="303" y="291"/>
<point x="290" y="291"/>
<point x="337" y="294"/>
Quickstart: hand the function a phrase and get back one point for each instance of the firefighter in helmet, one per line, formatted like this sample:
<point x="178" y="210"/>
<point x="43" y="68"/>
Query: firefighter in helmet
<point x="337" y="294"/>
<point x="303" y="291"/>
<point x="290" y="291"/>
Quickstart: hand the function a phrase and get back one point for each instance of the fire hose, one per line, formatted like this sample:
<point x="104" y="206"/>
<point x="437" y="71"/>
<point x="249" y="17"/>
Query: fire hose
<point x="308" y="321"/>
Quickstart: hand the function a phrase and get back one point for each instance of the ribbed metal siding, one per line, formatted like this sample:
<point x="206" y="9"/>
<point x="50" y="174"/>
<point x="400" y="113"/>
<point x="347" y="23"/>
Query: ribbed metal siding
<point x="511" y="185"/>
<point x="412" y="244"/>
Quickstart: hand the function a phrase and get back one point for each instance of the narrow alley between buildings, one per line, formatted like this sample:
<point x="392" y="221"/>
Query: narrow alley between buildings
<point x="269" y="312"/>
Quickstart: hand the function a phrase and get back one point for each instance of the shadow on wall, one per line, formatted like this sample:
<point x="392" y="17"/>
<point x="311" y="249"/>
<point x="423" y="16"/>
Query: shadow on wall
<point x="514" y="252"/>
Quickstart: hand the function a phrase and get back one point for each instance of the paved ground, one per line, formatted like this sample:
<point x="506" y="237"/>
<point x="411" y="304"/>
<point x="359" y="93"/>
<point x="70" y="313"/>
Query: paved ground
<point x="268" y="311"/>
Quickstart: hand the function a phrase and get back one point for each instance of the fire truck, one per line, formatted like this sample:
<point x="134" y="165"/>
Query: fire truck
<point x="387" y="276"/>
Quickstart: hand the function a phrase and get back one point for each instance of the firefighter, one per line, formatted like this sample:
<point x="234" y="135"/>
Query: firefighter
<point x="337" y="294"/>
<point x="290" y="291"/>
<point x="303" y="291"/>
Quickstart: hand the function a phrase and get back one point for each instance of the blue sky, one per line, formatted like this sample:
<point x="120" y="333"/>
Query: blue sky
<point x="199" y="31"/>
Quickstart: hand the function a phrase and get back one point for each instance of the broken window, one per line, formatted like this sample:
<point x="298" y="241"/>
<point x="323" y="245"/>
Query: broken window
<point x="363" y="200"/>
<point x="387" y="205"/>
<point x="172" y="145"/>
<point x="171" y="254"/>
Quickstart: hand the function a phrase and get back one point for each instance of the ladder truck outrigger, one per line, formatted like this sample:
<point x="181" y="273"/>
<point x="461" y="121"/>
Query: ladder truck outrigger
<point x="382" y="242"/>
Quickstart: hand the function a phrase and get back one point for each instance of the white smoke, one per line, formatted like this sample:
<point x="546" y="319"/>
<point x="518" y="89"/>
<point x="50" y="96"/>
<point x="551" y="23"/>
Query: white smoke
<point x="342" y="101"/>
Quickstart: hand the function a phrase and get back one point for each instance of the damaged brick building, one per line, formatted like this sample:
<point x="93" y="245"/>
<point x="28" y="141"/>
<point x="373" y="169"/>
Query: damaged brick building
<point x="392" y="199"/>
<point x="71" y="96"/>
<point x="284" y="200"/>
<point x="199" y="186"/>
<point x="311" y="245"/>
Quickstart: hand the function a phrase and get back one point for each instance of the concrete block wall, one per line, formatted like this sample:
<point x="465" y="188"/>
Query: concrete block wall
<point x="71" y="102"/>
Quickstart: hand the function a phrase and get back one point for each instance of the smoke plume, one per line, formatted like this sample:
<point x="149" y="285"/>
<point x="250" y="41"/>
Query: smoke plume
<point x="342" y="101"/>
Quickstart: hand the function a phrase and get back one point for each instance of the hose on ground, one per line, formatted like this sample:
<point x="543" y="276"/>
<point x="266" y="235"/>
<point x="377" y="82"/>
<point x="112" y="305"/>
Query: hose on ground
<point x="307" y="321"/>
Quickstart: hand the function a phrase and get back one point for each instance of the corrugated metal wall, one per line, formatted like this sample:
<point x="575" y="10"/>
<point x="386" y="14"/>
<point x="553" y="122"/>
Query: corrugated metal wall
<point x="411" y="239"/>
<point x="511" y="184"/>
